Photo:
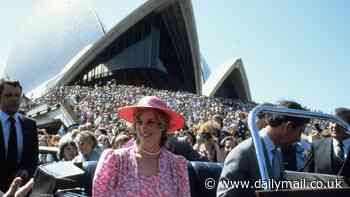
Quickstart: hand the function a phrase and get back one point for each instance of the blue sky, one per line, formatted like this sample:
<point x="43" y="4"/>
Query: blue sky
<point x="291" y="49"/>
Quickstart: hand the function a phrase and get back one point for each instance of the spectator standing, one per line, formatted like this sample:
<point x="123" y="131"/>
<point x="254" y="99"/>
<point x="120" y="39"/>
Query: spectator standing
<point x="18" y="137"/>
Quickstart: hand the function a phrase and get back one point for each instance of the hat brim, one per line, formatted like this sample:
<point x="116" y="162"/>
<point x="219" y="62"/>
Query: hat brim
<point x="176" y="121"/>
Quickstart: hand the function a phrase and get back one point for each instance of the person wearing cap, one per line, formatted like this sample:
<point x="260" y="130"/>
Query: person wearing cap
<point x="327" y="156"/>
<point x="241" y="163"/>
<point x="145" y="168"/>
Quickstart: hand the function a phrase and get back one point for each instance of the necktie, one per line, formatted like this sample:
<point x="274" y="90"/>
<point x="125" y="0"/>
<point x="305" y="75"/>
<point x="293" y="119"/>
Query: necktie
<point x="300" y="156"/>
<point x="276" y="164"/>
<point x="12" y="145"/>
<point x="339" y="151"/>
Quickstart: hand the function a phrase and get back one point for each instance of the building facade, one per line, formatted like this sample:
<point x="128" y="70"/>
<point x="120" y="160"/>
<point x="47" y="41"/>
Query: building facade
<point x="155" y="45"/>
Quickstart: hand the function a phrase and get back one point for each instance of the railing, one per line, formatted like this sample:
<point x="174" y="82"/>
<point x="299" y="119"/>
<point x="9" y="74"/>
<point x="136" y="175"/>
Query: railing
<point x="47" y="154"/>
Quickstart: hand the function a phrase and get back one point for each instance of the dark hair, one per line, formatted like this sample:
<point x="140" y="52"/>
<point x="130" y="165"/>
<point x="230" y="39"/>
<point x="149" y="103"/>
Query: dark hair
<point x="193" y="136"/>
<point x="260" y="115"/>
<point x="102" y="130"/>
<point x="276" y="120"/>
<point x="219" y="119"/>
<point x="13" y="83"/>
<point x="343" y="113"/>
<point x="62" y="145"/>
<point x="205" y="136"/>
<point x="317" y="128"/>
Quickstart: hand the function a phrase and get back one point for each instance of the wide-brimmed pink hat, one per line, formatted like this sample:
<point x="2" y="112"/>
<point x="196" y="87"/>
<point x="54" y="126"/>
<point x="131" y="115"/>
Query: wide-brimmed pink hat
<point x="176" y="121"/>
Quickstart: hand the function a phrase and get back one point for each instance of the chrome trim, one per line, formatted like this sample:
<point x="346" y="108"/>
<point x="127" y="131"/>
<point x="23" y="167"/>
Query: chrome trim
<point x="282" y="111"/>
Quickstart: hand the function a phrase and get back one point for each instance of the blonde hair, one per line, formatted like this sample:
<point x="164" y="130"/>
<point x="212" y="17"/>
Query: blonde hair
<point x="75" y="132"/>
<point x="209" y="127"/>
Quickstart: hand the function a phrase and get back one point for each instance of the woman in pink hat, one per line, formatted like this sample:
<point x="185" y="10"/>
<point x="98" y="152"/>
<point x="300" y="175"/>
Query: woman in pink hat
<point x="145" y="169"/>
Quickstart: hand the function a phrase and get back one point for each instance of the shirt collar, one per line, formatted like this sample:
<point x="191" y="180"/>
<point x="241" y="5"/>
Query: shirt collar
<point x="4" y="116"/>
<point x="267" y="140"/>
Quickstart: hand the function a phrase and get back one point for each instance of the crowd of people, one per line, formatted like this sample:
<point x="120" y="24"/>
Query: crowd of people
<point x="97" y="108"/>
<point x="98" y="104"/>
<point x="225" y="120"/>
<point x="159" y="130"/>
<point x="213" y="126"/>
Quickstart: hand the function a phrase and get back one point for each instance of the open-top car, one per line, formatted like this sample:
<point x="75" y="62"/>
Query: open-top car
<point x="67" y="180"/>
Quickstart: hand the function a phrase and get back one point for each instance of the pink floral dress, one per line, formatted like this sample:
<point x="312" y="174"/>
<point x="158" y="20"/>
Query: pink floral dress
<point x="117" y="175"/>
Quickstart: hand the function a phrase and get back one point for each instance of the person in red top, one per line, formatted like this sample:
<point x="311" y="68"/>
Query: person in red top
<point x="146" y="168"/>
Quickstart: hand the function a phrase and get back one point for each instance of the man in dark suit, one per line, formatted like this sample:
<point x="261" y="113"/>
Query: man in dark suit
<point x="241" y="164"/>
<point x="18" y="137"/>
<point x="180" y="146"/>
<point x="327" y="155"/>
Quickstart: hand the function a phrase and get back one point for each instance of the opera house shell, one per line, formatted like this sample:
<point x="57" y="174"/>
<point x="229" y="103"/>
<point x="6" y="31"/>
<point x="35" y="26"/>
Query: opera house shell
<point x="155" y="44"/>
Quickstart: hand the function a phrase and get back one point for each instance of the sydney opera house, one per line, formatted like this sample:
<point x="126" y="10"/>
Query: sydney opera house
<point x="155" y="45"/>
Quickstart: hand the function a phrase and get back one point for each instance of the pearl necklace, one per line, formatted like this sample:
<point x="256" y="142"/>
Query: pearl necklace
<point x="149" y="153"/>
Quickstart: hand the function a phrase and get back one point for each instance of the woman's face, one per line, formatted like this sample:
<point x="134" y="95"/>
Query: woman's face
<point x="148" y="127"/>
<point x="85" y="146"/>
<point x="103" y="140"/>
<point x="69" y="152"/>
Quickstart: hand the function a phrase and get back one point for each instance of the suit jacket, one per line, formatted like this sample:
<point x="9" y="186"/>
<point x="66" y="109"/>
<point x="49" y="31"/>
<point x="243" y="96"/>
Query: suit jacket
<point x="240" y="164"/>
<point x="322" y="158"/>
<point x="289" y="158"/>
<point x="29" y="157"/>
<point x="180" y="146"/>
